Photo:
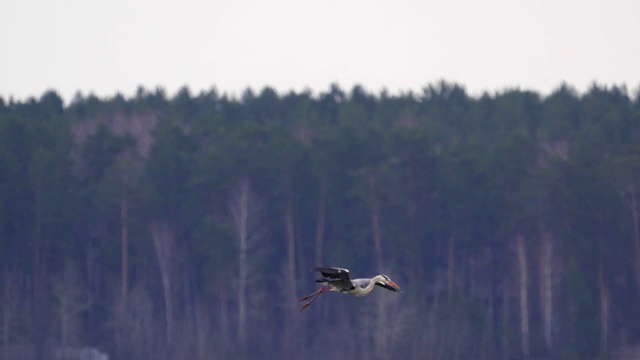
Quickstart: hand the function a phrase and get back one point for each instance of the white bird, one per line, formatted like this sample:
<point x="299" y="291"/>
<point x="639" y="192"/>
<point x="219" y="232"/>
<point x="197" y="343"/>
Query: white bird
<point x="337" y="279"/>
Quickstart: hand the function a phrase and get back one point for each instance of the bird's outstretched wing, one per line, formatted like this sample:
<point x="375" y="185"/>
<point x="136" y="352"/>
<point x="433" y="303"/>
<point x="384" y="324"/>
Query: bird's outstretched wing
<point x="335" y="276"/>
<point x="333" y="273"/>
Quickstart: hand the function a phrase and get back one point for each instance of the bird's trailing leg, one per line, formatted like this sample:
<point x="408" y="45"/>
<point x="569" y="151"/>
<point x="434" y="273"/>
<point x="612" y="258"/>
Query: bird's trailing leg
<point x="313" y="297"/>
<point x="315" y="293"/>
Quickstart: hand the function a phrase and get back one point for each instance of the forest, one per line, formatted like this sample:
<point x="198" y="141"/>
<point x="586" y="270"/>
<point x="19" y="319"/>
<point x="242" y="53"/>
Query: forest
<point x="186" y="226"/>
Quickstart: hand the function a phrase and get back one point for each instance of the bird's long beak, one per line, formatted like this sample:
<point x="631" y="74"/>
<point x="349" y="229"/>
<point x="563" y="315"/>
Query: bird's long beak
<point x="392" y="283"/>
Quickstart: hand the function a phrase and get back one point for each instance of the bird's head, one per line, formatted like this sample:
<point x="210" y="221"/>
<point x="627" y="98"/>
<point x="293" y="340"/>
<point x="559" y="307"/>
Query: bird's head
<point x="386" y="282"/>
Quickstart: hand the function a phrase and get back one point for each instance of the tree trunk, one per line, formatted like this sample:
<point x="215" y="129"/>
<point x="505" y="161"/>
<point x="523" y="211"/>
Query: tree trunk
<point x="604" y="308"/>
<point x="451" y="262"/>
<point x="380" y="330"/>
<point x="320" y="223"/>
<point x="546" y="288"/>
<point x="375" y="222"/>
<point x="240" y="212"/>
<point x="39" y="251"/>
<point x="71" y="299"/>
<point x="291" y="249"/>
<point x="163" y="237"/>
<point x="506" y="322"/>
<point x="636" y="232"/>
<point x="122" y="306"/>
<point x="291" y="326"/>
<point x="124" y="237"/>
<point x="524" y="295"/>
<point x="202" y="331"/>
<point x="40" y="319"/>
<point x="10" y="300"/>
<point x="491" y="308"/>
<point x="224" y="324"/>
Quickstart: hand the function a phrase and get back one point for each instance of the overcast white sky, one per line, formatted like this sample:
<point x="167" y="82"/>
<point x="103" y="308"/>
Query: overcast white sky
<point x="104" y="47"/>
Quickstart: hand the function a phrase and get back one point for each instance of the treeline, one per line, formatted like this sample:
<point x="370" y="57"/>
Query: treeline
<point x="158" y="227"/>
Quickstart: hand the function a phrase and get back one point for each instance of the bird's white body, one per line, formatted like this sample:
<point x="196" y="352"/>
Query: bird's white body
<point x="361" y="287"/>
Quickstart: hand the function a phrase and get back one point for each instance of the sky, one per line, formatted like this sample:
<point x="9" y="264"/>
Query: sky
<point x="109" y="47"/>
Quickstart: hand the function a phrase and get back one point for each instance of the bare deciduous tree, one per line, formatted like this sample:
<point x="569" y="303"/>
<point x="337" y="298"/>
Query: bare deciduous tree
<point x="118" y="183"/>
<point x="524" y="293"/>
<point x="203" y="332"/>
<point x="290" y="276"/>
<point x="320" y="225"/>
<point x="72" y="299"/>
<point x="245" y="209"/>
<point x="375" y="220"/>
<point x="13" y="307"/>
<point x="163" y="236"/>
<point x="546" y="288"/>
<point x="451" y="262"/>
<point x="605" y="306"/>
<point x="633" y="205"/>
<point x="140" y="331"/>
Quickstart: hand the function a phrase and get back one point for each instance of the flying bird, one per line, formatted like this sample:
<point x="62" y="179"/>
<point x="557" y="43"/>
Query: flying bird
<point x="337" y="279"/>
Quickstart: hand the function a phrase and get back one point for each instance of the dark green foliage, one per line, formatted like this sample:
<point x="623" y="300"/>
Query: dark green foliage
<point x="447" y="181"/>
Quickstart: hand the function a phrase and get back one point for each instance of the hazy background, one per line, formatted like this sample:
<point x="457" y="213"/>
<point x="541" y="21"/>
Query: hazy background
<point x="116" y="46"/>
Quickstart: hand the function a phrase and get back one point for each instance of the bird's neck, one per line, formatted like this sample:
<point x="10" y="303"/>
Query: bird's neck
<point x="373" y="282"/>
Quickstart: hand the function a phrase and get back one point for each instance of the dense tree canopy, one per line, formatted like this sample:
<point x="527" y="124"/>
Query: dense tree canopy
<point x="185" y="227"/>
